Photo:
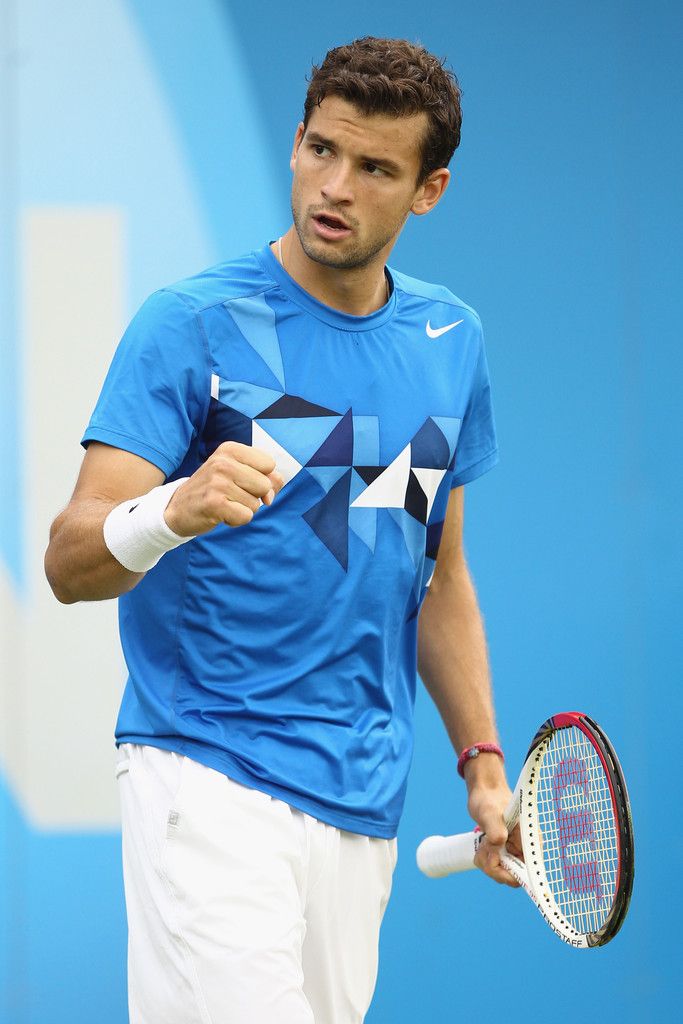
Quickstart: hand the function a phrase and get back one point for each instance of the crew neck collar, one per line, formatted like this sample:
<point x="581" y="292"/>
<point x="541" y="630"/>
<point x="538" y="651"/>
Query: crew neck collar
<point x="335" y="317"/>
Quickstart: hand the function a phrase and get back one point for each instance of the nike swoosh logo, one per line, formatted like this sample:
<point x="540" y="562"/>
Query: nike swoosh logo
<point x="436" y="332"/>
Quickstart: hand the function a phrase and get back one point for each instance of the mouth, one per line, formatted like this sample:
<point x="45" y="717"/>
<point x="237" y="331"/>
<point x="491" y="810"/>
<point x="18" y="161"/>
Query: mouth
<point x="329" y="226"/>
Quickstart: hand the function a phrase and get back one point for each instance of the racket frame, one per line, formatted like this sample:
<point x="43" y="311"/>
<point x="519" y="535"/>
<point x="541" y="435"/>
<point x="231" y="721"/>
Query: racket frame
<point x="438" y="855"/>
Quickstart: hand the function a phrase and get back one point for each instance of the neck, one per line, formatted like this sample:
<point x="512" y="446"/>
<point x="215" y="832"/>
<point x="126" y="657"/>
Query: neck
<point x="358" y="291"/>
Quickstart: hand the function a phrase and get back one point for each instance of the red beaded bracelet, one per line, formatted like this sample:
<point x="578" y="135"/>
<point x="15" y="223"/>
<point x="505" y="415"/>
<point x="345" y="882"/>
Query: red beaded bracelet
<point x="474" y="751"/>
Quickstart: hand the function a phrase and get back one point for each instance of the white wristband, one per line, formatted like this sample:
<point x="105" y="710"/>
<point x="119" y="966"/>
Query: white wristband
<point x="136" y="532"/>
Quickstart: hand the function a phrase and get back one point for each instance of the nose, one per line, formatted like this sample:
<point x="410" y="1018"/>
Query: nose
<point x="337" y="188"/>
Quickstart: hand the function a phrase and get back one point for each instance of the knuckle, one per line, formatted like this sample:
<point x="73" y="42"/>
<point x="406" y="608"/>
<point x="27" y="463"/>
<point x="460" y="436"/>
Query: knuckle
<point x="227" y="447"/>
<point x="221" y="466"/>
<point x="214" y="499"/>
<point x="241" y="515"/>
<point x="262" y="486"/>
<point x="265" y="461"/>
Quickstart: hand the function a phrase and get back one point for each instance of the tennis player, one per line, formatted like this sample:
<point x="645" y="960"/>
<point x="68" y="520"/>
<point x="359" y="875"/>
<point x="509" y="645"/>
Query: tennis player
<point x="277" y="455"/>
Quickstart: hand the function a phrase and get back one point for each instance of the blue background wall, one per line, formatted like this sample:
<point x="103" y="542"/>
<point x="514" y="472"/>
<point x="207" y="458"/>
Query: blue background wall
<point x="562" y="227"/>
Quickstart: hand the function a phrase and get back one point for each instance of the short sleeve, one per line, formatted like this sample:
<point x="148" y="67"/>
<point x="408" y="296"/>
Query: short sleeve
<point x="477" y="449"/>
<point x="156" y="392"/>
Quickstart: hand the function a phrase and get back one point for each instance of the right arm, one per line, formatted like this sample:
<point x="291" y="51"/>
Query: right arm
<point x="227" y="488"/>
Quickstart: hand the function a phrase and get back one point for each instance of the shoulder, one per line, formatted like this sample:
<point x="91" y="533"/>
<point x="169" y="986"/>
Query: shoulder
<point x="420" y="298"/>
<point x="238" y="278"/>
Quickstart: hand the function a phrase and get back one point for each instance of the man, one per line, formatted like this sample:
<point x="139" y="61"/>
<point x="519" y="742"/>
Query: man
<point x="315" y="417"/>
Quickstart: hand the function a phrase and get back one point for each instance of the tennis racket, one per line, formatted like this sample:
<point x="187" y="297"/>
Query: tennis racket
<point x="573" y="810"/>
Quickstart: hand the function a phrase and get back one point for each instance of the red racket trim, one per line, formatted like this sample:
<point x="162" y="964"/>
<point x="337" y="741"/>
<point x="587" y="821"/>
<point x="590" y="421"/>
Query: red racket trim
<point x="618" y="795"/>
<point x="620" y="805"/>
<point x="625" y="844"/>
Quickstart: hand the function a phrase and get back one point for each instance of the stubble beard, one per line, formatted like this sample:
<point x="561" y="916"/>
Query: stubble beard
<point x="354" y="257"/>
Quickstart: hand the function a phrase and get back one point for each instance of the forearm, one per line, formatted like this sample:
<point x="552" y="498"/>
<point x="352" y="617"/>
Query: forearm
<point x="78" y="564"/>
<point x="228" y="488"/>
<point x="453" y="663"/>
<point x="453" y="659"/>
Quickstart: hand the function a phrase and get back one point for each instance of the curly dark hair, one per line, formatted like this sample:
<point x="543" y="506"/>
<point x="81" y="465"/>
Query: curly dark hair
<point x="395" y="77"/>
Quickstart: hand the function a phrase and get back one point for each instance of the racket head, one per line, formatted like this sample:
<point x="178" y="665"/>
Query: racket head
<point x="576" y="830"/>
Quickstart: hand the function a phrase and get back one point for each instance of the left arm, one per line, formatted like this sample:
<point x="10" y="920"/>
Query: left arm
<point x="453" y="664"/>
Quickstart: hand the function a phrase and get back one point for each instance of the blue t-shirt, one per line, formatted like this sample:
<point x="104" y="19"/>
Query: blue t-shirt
<point x="283" y="653"/>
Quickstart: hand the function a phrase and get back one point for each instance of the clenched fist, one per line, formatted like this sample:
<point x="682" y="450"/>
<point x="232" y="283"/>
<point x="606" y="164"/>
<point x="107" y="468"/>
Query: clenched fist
<point x="228" y="488"/>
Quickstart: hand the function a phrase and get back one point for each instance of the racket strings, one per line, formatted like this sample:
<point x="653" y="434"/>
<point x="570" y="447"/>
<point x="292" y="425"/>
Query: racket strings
<point x="578" y="830"/>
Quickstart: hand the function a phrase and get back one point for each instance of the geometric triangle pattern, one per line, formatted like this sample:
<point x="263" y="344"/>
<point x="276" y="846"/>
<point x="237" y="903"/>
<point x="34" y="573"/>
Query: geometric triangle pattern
<point x="291" y="407"/>
<point x="249" y="398"/>
<point x="430" y="447"/>
<point x="329" y="519"/>
<point x="326" y="476"/>
<point x="301" y="437"/>
<point x="429" y="480"/>
<point x="388" y="490"/>
<point x="287" y="465"/>
<point x="434" y="532"/>
<point x="413" y="534"/>
<point x="450" y="428"/>
<point x="252" y="366"/>
<point x="223" y="423"/>
<point x="407" y="487"/>
<point x="368" y="473"/>
<point x="358" y="484"/>
<point x="414" y="538"/>
<point x="255" y="321"/>
<point x="363" y="522"/>
<point x="412" y="480"/>
<point x="416" y="500"/>
<point x="428" y="571"/>
<point x="366" y="441"/>
<point x="339" y="450"/>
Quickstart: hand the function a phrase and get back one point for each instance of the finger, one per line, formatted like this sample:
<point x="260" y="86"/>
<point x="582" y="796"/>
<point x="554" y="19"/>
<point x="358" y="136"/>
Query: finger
<point x="488" y="860"/>
<point x="495" y="828"/>
<point x="248" y="456"/>
<point x="277" y="480"/>
<point x="243" y="497"/>
<point x="278" y="483"/>
<point x="251" y="480"/>
<point x="236" y="514"/>
<point x="503" y="877"/>
<point x="514" y="843"/>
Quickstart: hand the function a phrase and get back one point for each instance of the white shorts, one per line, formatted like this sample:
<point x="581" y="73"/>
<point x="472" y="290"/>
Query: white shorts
<point x="241" y="909"/>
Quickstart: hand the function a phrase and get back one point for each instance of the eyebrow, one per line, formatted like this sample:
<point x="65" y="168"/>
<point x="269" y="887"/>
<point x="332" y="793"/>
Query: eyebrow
<point x="319" y="140"/>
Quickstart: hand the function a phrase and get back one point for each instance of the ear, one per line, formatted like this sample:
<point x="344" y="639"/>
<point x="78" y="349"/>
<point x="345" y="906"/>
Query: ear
<point x="297" y="142"/>
<point x="430" y="191"/>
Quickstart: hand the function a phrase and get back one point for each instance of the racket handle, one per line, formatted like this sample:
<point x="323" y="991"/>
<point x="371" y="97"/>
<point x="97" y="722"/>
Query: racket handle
<point x="438" y="856"/>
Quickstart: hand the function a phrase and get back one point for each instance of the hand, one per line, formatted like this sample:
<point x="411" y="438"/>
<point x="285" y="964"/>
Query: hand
<point x="228" y="488"/>
<point x="489" y="797"/>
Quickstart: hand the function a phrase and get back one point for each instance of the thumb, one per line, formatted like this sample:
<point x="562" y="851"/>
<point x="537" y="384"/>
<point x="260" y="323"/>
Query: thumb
<point x="493" y="824"/>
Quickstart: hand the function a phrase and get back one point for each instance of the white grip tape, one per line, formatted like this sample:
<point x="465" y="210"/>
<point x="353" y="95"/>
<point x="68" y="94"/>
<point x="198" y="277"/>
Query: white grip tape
<point x="136" y="532"/>
<point x="438" y="856"/>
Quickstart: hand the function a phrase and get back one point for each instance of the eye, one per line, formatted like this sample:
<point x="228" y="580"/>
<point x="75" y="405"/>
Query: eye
<point x="319" y="149"/>
<point x="374" y="171"/>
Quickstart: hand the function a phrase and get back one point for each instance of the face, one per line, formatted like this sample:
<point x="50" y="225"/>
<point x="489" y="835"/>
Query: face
<point x="355" y="182"/>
